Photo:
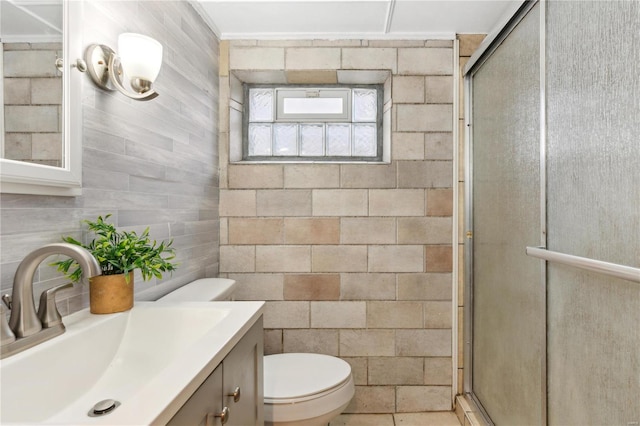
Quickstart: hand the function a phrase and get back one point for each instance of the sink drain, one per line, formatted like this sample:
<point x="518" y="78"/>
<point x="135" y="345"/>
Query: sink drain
<point x="103" y="407"/>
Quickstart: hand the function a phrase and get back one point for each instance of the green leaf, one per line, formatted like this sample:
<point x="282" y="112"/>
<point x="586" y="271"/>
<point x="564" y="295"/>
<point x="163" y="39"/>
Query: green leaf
<point x="121" y="252"/>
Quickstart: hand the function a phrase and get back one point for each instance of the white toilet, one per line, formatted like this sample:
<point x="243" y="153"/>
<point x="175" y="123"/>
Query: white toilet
<point x="300" y="389"/>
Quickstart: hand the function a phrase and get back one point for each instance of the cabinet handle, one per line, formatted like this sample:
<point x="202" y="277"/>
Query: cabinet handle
<point x="224" y="415"/>
<point x="236" y="394"/>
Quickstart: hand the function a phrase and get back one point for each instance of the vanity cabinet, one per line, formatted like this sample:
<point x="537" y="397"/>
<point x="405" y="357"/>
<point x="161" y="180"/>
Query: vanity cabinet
<point x="204" y="404"/>
<point x="235" y="388"/>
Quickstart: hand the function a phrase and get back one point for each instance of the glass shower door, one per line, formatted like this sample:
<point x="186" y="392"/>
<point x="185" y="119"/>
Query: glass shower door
<point x="553" y="342"/>
<point x="508" y="353"/>
<point x="593" y="163"/>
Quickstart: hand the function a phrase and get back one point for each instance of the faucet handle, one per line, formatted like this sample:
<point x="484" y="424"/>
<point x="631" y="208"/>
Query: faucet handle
<point x="6" y="298"/>
<point x="6" y="334"/>
<point x="47" y="310"/>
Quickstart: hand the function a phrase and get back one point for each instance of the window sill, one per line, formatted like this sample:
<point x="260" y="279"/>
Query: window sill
<point x="308" y="162"/>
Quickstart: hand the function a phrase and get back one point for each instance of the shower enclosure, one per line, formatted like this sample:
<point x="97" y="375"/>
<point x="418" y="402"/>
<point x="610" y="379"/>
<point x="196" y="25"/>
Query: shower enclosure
<point x="552" y="332"/>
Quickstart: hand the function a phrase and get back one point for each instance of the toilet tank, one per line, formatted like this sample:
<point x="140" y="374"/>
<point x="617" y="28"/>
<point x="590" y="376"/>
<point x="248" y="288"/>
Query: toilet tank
<point x="202" y="290"/>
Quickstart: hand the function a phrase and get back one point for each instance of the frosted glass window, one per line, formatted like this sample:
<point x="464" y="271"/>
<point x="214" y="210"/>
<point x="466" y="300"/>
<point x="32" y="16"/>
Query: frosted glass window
<point x="364" y="140"/>
<point x="311" y="139"/>
<point x="339" y="139"/>
<point x="285" y="139"/>
<point x="365" y="105"/>
<point x="313" y="106"/>
<point x="261" y="105"/>
<point x="334" y="123"/>
<point x="259" y="139"/>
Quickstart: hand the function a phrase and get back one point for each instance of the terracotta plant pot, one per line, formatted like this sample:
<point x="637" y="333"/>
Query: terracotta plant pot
<point x="109" y="294"/>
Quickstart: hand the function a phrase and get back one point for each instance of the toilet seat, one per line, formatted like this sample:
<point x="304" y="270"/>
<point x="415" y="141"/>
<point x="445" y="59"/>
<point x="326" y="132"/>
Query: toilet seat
<point x="299" y="387"/>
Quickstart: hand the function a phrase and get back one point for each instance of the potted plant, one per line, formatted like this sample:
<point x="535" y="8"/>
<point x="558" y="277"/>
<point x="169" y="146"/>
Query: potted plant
<point x="119" y="254"/>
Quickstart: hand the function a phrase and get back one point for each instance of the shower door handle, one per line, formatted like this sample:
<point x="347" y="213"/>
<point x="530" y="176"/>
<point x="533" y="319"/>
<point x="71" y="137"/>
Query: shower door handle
<point x="611" y="269"/>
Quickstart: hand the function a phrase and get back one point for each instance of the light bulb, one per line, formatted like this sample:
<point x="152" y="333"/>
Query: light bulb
<point x="140" y="56"/>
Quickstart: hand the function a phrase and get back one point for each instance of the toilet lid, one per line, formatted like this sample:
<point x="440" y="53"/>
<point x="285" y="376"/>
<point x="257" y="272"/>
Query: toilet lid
<point x="297" y="375"/>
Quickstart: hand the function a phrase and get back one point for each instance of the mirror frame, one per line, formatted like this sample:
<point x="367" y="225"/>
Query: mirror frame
<point x="18" y="177"/>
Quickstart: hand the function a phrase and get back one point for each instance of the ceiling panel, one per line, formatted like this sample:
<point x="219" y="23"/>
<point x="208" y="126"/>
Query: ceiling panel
<point x="373" y="19"/>
<point x="286" y="17"/>
<point x="457" y="16"/>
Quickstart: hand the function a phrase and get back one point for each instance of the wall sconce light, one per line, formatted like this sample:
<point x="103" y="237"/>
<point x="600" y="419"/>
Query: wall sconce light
<point x="139" y="58"/>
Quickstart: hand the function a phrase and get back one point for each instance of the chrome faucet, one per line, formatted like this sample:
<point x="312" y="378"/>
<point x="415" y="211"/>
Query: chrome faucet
<point x="27" y="327"/>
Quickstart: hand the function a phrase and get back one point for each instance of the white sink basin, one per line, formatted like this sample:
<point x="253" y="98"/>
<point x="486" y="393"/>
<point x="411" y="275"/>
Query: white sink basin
<point x="150" y="359"/>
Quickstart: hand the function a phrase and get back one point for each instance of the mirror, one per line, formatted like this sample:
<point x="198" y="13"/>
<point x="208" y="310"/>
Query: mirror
<point x="40" y="143"/>
<point x="31" y="43"/>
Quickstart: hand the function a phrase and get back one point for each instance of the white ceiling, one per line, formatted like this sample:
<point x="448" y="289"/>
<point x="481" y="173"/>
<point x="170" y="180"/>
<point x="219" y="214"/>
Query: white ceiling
<point x="369" y="19"/>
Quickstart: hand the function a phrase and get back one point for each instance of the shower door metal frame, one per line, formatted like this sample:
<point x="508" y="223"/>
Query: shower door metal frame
<point x="484" y="52"/>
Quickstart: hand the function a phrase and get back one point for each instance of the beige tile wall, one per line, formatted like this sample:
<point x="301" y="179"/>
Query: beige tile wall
<point x="354" y="260"/>
<point x="468" y="43"/>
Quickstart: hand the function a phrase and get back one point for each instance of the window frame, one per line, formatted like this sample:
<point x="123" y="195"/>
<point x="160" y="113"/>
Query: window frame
<point x="313" y="159"/>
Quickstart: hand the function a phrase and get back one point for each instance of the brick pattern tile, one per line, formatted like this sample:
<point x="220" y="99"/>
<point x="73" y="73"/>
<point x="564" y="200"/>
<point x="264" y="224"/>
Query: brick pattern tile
<point x="354" y="260"/>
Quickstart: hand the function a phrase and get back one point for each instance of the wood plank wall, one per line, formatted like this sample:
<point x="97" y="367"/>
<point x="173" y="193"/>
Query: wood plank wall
<point x="149" y="164"/>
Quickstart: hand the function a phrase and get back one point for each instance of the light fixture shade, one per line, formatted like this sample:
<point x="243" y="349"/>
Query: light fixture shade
<point x="140" y="56"/>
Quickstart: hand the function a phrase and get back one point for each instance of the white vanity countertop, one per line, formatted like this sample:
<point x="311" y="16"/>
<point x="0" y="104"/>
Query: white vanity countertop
<point x="151" y="359"/>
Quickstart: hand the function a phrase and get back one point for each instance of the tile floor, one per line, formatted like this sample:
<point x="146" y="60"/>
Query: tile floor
<point x="404" y="419"/>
